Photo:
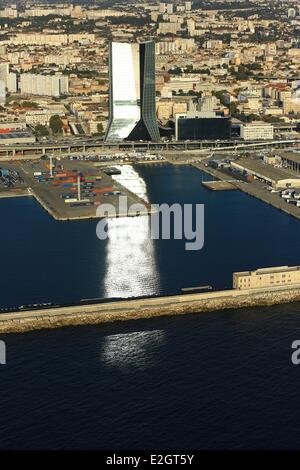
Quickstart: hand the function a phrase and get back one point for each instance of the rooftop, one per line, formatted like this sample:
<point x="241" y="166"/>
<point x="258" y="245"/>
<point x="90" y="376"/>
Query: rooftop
<point x="263" y="169"/>
<point x="293" y="156"/>
<point x="276" y="269"/>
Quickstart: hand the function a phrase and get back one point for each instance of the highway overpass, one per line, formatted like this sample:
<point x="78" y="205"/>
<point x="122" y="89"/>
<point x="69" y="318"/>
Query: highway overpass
<point x="89" y="146"/>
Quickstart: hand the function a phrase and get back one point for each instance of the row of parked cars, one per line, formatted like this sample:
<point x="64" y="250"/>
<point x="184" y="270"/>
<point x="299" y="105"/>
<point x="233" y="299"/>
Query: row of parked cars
<point x="10" y="178"/>
<point x="291" y="196"/>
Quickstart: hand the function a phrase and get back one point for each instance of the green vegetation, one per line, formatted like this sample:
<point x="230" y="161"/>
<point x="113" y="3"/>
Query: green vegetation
<point x="175" y="71"/>
<point x="100" y="128"/>
<point x="41" y="131"/>
<point x="129" y="20"/>
<point x="29" y="104"/>
<point x="56" y="124"/>
<point x="87" y="74"/>
<point x="221" y="95"/>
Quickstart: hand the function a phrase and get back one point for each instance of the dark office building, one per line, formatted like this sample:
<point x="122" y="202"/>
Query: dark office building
<point x="213" y="128"/>
<point x="132" y="93"/>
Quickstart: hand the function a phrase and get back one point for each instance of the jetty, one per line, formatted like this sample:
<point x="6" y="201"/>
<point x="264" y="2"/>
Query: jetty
<point x="143" y="308"/>
<point x="222" y="185"/>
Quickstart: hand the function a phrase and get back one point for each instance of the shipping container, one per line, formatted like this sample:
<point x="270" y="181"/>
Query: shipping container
<point x="104" y="190"/>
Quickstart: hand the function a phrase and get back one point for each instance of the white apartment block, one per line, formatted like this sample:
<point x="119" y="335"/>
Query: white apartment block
<point x="94" y="14"/>
<point x="9" y="12"/>
<point x="41" y="11"/>
<point x="11" y="83"/>
<point x="176" y="46"/>
<point x="50" y="39"/>
<point x="4" y="71"/>
<point x="41" y="116"/>
<point x="166" y="8"/>
<point x="2" y="92"/>
<point x="257" y="131"/>
<point x="63" y="59"/>
<point x="9" y="78"/>
<point x="165" y="28"/>
<point x="44" y="85"/>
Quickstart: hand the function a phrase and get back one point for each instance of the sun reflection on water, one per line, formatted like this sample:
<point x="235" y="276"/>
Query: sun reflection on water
<point x="131" y="350"/>
<point x="130" y="253"/>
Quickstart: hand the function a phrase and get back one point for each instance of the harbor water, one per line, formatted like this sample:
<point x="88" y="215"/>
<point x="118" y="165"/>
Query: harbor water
<point x="210" y="381"/>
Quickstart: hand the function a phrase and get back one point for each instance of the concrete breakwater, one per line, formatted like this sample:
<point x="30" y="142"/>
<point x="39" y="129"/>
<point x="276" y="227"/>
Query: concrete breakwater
<point x="134" y="309"/>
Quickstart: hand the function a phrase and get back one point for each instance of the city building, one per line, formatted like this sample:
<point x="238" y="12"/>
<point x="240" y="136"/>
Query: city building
<point x="169" y="28"/>
<point x="132" y="92"/>
<point x="44" y="85"/>
<point x="2" y="92"/>
<point x="257" y="131"/>
<point x="16" y="137"/>
<point x="274" y="177"/>
<point x="51" y="39"/>
<point x="290" y="160"/>
<point x="11" y="83"/>
<point x="267" y="277"/>
<point x="291" y="13"/>
<point x="202" y="126"/>
<point x="166" y="8"/>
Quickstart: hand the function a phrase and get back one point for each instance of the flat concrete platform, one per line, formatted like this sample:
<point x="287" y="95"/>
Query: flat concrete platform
<point x="219" y="185"/>
<point x="52" y="191"/>
<point x="15" y="192"/>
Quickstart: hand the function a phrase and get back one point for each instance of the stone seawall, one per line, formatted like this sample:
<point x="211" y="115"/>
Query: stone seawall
<point x="144" y="308"/>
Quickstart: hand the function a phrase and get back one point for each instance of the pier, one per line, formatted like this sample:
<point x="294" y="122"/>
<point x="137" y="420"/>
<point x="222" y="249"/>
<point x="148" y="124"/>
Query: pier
<point x="51" y="191"/>
<point x="221" y="185"/>
<point x="134" y="309"/>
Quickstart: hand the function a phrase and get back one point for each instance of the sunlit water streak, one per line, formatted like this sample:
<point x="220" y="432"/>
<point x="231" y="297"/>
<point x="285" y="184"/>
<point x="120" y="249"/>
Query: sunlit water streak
<point x="132" y="181"/>
<point x="131" y="350"/>
<point x="130" y="256"/>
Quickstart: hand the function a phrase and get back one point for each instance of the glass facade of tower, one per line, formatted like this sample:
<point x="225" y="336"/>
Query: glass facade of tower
<point x="132" y="93"/>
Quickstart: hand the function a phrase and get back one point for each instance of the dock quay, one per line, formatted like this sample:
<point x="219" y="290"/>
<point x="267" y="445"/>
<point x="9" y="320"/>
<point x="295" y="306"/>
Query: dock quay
<point x="72" y="193"/>
<point x="143" y="308"/>
<point x="16" y="192"/>
<point x="219" y="185"/>
<point x="255" y="189"/>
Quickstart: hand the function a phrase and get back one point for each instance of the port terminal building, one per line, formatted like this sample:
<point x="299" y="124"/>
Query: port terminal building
<point x="267" y="277"/>
<point x="257" y="169"/>
<point x="291" y="160"/>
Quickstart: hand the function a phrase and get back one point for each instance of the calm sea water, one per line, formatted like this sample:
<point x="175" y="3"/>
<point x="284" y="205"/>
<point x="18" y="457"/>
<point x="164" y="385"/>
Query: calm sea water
<point x="44" y="260"/>
<point x="217" y="380"/>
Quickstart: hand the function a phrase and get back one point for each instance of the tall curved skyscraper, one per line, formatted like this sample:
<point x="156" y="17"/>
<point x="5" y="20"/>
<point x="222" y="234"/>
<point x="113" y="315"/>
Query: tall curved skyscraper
<point x="132" y="92"/>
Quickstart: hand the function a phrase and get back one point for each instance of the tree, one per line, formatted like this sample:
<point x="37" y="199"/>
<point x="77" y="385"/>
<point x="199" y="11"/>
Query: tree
<point x="222" y="97"/>
<point x="56" y="124"/>
<point x="175" y="71"/>
<point x="41" y="131"/>
<point x="29" y="104"/>
<point x="233" y="108"/>
<point x="100" y="128"/>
